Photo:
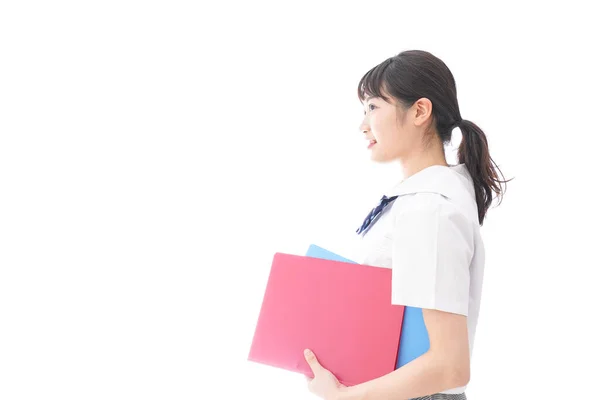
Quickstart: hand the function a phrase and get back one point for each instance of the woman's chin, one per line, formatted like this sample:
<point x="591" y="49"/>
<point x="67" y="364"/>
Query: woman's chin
<point x="376" y="156"/>
<point x="380" y="158"/>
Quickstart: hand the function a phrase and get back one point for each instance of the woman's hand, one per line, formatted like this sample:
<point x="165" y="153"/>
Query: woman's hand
<point x="324" y="384"/>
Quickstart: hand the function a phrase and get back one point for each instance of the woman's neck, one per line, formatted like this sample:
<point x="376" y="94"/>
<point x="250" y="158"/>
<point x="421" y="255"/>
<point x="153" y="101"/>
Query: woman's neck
<point x="421" y="161"/>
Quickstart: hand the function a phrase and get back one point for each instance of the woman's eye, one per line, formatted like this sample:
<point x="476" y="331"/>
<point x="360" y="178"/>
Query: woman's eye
<point x="369" y="107"/>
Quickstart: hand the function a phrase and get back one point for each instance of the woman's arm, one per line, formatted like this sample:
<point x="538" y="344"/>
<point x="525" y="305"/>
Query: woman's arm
<point x="445" y="366"/>
<point x="431" y="255"/>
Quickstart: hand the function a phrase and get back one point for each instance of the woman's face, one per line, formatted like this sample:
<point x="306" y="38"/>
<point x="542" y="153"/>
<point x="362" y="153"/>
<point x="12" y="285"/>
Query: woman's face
<point x="387" y="129"/>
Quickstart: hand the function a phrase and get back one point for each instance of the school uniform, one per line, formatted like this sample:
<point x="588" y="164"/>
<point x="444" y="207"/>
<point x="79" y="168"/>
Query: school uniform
<point x="426" y="229"/>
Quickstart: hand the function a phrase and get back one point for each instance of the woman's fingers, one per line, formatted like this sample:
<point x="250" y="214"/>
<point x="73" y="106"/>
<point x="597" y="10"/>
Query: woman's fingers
<point x="312" y="361"/>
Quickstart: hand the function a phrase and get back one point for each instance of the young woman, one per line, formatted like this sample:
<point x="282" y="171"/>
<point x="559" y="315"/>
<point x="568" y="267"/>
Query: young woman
<point x="427" y="227"/>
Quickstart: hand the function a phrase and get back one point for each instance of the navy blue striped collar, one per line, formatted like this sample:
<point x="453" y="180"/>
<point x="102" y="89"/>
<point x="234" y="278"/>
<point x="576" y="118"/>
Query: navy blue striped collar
<point x="434" y="179"/>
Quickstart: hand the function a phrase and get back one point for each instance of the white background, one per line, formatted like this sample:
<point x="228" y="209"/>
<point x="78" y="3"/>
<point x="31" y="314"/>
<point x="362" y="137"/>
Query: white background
<point x="154" y="155"/>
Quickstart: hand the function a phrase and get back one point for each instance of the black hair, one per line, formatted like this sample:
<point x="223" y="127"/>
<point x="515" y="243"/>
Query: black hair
<point x="415" y="74"/>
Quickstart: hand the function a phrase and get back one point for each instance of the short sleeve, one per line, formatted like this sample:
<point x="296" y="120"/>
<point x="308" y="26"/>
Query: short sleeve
<point x="432" y="249"/>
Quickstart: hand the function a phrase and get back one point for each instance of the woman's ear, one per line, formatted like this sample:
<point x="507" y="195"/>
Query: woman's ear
<point x="423" y="110"/>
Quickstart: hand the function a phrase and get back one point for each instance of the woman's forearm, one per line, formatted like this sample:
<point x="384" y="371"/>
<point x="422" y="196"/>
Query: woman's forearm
<point x="423" y="376"/>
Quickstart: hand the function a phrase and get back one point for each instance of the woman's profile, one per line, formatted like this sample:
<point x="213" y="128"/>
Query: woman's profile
<point x="426" y="228"/>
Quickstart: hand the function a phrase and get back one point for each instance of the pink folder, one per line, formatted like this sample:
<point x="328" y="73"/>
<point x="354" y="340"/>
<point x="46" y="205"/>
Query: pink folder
<point x="342" y="311"/>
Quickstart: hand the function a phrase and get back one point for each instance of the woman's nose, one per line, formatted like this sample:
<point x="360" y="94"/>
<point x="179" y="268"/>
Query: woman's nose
<point x="363" y="127"/>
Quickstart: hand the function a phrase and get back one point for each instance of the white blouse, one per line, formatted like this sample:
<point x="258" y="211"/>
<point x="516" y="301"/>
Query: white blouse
<point x="430" y="238"/>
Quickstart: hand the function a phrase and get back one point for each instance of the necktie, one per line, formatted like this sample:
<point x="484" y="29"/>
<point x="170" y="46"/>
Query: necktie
<point x="375" y="213"/>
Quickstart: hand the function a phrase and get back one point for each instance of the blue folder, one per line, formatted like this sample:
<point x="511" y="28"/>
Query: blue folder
<point x="414" y="339"/>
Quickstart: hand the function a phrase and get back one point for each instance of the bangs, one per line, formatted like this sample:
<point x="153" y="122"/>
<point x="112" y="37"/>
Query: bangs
<point x="373" y="83"/>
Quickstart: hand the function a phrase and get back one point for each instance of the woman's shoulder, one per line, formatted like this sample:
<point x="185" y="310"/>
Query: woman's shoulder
<point x="436" y="205"/>
<point x="442" y="189"/>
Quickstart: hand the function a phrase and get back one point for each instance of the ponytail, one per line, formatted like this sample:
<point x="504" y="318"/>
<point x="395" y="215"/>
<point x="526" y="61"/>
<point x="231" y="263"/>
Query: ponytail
<point x="474" y="153"/>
